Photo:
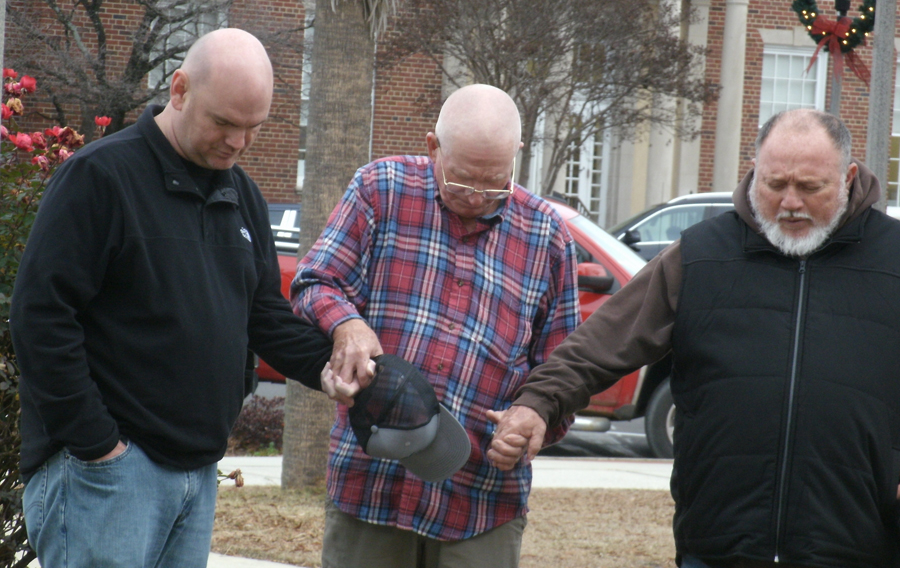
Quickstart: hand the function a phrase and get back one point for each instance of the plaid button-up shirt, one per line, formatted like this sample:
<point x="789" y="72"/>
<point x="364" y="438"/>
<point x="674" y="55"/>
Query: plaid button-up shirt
<point x="473" y="312"/>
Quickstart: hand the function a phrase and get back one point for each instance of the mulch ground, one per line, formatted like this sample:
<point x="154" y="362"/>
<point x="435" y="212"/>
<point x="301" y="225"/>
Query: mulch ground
<point x="572" y="528"/>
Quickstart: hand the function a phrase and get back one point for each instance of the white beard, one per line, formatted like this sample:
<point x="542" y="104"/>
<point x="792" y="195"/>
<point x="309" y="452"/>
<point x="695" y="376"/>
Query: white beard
<point x="814" y="238"/>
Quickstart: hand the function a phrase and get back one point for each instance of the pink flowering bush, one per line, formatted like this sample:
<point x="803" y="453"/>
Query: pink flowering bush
<point x="27" y="160"/>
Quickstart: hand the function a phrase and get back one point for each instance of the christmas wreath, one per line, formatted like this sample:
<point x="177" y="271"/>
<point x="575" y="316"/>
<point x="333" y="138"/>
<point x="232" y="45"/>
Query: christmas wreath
<point x="838" y="37"/>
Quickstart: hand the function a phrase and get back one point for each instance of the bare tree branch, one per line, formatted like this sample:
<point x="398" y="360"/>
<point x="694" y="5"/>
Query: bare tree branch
<point x="68" y="51"/>
<point x="582" y="67"/>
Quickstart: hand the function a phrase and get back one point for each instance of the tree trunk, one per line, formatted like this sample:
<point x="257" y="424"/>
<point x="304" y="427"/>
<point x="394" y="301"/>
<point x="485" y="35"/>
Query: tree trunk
<point x="339" y="129"/>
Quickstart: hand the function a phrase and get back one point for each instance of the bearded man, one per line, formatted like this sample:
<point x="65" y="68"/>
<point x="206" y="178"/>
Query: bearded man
<point x="783" y="318"/>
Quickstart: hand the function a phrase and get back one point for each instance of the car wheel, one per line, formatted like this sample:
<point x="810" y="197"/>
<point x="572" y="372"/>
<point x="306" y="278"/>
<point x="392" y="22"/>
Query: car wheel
<point x="660" y="421"/>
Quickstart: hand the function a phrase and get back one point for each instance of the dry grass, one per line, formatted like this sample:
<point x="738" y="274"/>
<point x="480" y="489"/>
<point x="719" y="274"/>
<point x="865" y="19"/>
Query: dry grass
<point x="267" y="523"/>
<point x="571" y="528"/>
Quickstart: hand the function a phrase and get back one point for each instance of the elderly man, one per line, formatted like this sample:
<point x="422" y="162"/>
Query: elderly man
<point x="150" y="271"/>
<point x="784" y="320"/>
<point x="445" y="262"/>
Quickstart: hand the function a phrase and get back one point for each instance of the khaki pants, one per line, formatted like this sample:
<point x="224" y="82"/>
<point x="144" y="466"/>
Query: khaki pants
<point x="351" y="543"/>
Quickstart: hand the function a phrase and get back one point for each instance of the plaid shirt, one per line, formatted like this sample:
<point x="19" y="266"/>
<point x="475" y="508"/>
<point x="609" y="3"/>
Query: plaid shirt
<point x="473" y="312"/>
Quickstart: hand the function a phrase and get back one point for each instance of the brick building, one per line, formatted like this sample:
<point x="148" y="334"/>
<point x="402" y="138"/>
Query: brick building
<point x="615" y="179"/>
<point x="766" y="76"/>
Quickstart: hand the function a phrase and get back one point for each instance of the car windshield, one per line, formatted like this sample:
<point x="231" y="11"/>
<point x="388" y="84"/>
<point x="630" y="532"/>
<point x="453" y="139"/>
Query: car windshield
<point x="631" y="220"/>
<point x="620" y="252"/>
<point x="666" y="225"/>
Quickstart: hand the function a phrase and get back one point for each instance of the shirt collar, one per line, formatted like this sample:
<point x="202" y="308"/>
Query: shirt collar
<point x="176" y="176"/>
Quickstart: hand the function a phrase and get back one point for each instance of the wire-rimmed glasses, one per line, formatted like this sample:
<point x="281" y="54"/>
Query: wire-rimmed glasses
<point x="490" y="194"/>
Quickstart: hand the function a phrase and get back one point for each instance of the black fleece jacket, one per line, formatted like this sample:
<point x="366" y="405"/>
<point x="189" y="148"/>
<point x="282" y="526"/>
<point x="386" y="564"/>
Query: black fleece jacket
<point x="136" y="301"/>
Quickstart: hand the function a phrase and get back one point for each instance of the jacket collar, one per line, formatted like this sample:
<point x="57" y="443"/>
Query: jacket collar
<point x="177" y="178"/>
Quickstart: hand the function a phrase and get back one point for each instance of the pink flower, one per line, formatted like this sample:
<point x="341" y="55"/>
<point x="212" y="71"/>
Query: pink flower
<point x="13" y="89"/>
<point x="22" y="141"/>
<point x="9" y="73"/>
<point x="42" y="161"/>
<point x="6" y="113"/>
<point x="39" y="141"/>
<point x="63" y="154"/>
<point x="4" y="133"/>
<point x="54" y="132"/>
<point x="29" y="84"/>
<point x="102" y="121"/>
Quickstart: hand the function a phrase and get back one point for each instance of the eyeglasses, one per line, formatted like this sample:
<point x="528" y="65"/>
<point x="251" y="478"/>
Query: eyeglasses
<point x="490" y="194"/>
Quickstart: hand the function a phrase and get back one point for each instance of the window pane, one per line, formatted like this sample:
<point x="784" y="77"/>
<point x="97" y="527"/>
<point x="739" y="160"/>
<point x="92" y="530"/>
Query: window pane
<point x="896" y="128"/>
<point x="809" y="93"/>
<point x="785" y="82"/>
<point x="782" y="66"/>
<point x="767" y="91"/>
<point x="781" y="91"/>
<point x="894" y="172"/>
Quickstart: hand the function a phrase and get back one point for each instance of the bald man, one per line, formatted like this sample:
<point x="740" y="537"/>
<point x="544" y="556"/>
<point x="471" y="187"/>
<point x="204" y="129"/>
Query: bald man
<point x="444" y="261"/>
<point x="150" y="272"/>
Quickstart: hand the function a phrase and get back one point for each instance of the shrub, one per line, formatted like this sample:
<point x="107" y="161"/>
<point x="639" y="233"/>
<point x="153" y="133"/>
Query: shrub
<point x="26" y="163"/>
<point x="260" y="427"/>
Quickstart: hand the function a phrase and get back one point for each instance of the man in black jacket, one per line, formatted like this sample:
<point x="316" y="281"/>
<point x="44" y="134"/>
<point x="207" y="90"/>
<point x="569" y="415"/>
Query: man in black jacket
<point x="783" y="319"/>
<point x="150" y="272"/>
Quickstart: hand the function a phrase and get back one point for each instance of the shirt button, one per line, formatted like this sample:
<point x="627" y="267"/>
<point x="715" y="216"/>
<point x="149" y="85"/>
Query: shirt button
<point x="452" y="326"/>
<point x="460" y="282"/>
<point x="440" y="367"/>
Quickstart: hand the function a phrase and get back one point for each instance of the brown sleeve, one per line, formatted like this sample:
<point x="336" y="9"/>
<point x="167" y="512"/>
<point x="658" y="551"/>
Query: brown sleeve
<point x="630" y="330"/>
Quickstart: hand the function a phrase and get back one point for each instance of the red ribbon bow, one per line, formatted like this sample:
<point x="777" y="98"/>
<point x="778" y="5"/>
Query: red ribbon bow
<point x="833" y="32"/>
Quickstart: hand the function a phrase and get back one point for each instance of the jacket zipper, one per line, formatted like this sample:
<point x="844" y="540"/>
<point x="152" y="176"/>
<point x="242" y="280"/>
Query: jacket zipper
<point x="795" y="359"/>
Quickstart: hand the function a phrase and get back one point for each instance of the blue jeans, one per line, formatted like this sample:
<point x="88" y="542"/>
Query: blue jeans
<point x="126" y="512"/>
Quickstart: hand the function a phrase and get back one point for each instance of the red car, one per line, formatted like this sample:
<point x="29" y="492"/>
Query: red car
<point x="604" y="266"/>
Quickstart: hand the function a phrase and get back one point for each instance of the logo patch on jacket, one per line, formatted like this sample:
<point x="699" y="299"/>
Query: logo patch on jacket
<point x="246" y="234"/>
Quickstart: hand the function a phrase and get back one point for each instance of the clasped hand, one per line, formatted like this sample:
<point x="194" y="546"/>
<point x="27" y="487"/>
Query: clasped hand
<point x="520" y="432"/>
<point x="351" y="367"/>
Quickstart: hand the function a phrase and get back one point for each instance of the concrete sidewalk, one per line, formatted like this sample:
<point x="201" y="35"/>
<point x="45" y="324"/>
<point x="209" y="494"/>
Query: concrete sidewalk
<point x="614" y="473"/>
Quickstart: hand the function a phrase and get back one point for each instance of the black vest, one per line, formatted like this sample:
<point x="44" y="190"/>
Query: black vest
<point x="787" y="381"/>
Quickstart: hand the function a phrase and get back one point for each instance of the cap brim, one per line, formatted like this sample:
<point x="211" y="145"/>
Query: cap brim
<point x="445" y="455"/>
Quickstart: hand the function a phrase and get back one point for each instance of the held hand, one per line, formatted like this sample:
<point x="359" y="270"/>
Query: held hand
<point x="520" y="431"/>
<point x="355" y="344"/>
<point x="340" y="390"/>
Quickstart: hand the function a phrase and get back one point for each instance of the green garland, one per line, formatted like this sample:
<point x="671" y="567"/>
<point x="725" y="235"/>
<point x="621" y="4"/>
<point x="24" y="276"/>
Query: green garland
<point x="807" y="11"/>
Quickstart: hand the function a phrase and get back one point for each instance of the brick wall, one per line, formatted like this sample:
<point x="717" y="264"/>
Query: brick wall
<point x="777" y="15"/>
<point x="407" y="96"/>
<point x="407" y="102"/>
<point x="272" y="160"/>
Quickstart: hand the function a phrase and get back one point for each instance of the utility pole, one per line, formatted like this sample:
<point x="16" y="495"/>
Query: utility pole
<point x="878" y="134"/>
<point x="834" y="106"/>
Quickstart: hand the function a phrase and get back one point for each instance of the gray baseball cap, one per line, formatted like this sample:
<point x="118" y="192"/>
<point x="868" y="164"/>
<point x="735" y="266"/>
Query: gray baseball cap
<point x="399" y="417"/>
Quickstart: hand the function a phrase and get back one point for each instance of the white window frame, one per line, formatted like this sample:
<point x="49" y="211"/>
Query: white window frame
<point x="894" y="159"/>
<point x="819" y="73"/>
<point x="592" y="193"/>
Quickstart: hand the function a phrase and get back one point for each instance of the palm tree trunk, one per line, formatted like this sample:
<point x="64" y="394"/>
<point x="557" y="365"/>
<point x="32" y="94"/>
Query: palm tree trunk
<point x="339" y="130"/>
